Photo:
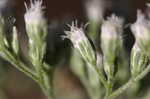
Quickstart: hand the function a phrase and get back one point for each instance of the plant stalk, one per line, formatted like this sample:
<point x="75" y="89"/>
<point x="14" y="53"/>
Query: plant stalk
<point x="130" y="82"/>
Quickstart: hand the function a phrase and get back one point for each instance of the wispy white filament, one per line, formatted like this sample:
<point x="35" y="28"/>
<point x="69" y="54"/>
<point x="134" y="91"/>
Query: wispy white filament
<point x="112" y="28"/>
<point x="34" y="13"/>
<point x="81" y="43"/>
<point x="76" y="35"/>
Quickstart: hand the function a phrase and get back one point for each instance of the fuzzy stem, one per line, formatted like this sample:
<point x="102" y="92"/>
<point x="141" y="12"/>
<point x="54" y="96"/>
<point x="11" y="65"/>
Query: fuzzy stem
<point x="20" y="66"/>
<point x="46" y="82"/>
<point x="108" y="90"/>
<point x="101" y="76"/>
<point x="49" y="85"/>
<point x="129" y="83"/>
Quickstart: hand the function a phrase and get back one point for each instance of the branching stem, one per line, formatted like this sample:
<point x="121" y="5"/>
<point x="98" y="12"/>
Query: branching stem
<point x="129" y="83"/>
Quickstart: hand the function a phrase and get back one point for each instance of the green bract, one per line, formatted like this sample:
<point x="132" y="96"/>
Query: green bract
<point x="139" y="61"/>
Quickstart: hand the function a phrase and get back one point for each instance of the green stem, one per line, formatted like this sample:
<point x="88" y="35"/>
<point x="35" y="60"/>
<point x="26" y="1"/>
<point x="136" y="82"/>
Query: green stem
<point x="46" y="81"/>
<point x="49" y="84"/>
<point x="48" y="93"/>
<point x="109" y="87"/>
<point x="108" y="90"/>
<point x="20" y="66"/>
<point x="41" y="76"/>
<point x="101" y="77"/>
<point x="129" y="83"/>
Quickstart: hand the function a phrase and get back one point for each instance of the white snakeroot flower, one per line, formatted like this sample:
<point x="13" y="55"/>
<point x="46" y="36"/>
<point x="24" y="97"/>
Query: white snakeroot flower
<point x="34" y="13"/>
<point x="35" y="21"/>
<point x="141" y="28"/>
<point x="76" y="35"/>
<point x="36" y="28"/>
<point x="95" y="9"/>
<point x="140" y="50"/>
<point x="111" y="42"/>
<point x="81" y="43"/>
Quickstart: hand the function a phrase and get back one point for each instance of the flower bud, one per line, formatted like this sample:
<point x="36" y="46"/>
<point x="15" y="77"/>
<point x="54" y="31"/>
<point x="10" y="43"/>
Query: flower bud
<point x="35" y="21"/>
<point x="111" y="42"/>
<point x="81" y="43"/>
<point x="36" y="28"/>
<point x="141" y="30"/>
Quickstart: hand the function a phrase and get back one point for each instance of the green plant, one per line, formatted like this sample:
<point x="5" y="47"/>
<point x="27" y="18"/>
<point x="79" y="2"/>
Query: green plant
<point x="104" y="64"/>
<point x="36" y="27"/>
<point x="113" y="52"/>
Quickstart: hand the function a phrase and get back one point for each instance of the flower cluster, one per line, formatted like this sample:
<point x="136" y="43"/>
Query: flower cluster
<point x="108" y="52"/>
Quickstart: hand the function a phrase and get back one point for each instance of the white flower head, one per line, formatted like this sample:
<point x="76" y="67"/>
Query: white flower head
<point x="112" y="28"/>
<point x="76" y="35"/>
<point x="34" y="13"/>
<point x="95" y="10"/>
<point x="81" y="43"/>
<point x="141" y="28"/>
